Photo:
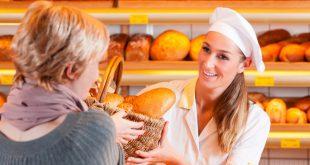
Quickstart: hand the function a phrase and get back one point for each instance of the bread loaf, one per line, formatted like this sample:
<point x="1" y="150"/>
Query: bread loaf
<point x="138" y="47"/>
<point x="125" y="106"/>
<point x="117" y="45"/>
<point x="271" y="52"/>
<point x="154" y="103"/>
<point x="6" y="52"/>
<point x="303" y="104"/>
<point x="257" y="97"/>
<point x="196" y="45"/>
<point x="292" y="53"/>
<point x="170" y="45"/>
<point x="273" y="36"/>
<point x="113" y="100"/>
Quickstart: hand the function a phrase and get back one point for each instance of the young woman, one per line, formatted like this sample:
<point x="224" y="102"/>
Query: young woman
<point x="45" y="120"/>
<point x="213" y="122"/>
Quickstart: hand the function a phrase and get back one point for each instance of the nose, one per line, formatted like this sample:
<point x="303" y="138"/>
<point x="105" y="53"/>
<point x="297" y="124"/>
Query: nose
<point x="210" y="61"/>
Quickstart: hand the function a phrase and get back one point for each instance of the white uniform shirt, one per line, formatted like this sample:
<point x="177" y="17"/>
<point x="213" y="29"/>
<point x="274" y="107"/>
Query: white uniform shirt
<point x="204" y="149"/>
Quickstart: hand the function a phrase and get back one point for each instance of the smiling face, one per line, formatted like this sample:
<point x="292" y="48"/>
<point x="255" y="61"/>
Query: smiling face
<point x="220" y="60"/>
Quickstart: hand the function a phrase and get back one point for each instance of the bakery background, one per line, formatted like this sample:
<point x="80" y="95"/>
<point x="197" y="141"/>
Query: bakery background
<point x="290" y="81"/>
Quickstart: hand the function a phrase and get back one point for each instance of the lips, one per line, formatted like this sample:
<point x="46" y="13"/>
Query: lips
<point x="210" y="74"/>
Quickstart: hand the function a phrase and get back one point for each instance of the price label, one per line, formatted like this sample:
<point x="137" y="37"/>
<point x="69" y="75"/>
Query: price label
<point x="290" y="143"/>
<point x="6" y="79"/>
<point x="264" y="81"/>
<point x="139" y="19"/>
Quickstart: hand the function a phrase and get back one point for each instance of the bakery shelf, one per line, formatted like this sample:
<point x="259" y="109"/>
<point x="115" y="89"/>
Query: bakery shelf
<point x="277" y="74"/>
<point x="174" y="12"/>
<point x="289" y="136"/>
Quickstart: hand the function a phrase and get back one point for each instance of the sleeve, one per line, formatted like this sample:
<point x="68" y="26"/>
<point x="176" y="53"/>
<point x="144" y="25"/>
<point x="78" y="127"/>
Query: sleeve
<point x="250" y="146"/>
<point x="121" y="155"/>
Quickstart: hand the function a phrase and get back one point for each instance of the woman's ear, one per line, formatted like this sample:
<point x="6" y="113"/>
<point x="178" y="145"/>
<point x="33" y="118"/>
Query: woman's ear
<point x="70" y="72"/>
<point x="246" y="63"/>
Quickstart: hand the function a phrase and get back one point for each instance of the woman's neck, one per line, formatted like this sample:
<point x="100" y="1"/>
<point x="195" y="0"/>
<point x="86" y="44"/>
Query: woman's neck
<point x="205" y="97"/>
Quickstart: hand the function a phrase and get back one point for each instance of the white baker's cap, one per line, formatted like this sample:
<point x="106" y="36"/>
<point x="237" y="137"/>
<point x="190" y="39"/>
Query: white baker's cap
<point x="232" y="25"/>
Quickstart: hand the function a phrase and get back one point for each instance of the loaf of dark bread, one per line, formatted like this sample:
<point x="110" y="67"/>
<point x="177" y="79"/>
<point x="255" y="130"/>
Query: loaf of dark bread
<point x="138" y="47"/>
<point x="117" y="45"/>
<point x="273" y="36"/>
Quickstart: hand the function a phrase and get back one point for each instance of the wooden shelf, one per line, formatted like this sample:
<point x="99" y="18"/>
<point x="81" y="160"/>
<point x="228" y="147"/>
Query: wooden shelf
<point x="289" y="136"/>
<point x="150" y="72"/>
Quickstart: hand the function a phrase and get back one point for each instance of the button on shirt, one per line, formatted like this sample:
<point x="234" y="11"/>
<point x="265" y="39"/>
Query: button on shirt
<point x="204" y="148"/>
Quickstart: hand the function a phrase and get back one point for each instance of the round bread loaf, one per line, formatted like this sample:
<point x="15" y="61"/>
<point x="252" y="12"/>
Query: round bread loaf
<point x="196" y="45"/>
<point x="271" y="52"/>
<point x="113" y="100"/>
<point x="170" y="45"/>
<point x="6" y="52"/>
<point x="303" y="104"/>
<point x="292" y="53"/>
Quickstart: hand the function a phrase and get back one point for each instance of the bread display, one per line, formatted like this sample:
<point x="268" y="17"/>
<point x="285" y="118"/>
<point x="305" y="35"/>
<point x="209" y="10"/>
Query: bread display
<point x="273" y="36"/>
<point x="6" y="52"/>
<point x="170" y="45"/>
<point x="271" y="52"/>
<point x="292" y="53"/>
<point x="196" y="45"/>
<point x="138" y="47"/>
<point x="117" y="45"/>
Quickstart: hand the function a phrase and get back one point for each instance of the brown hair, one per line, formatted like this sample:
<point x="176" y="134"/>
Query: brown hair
<point x="231" y="112"/>
<point x="51" y="37"/>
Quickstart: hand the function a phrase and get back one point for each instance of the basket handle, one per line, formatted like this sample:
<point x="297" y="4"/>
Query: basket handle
<point x="112" y="73"/>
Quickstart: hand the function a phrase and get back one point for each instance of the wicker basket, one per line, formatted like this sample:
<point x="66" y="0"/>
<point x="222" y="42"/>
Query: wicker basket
<point x="153" y="127"/>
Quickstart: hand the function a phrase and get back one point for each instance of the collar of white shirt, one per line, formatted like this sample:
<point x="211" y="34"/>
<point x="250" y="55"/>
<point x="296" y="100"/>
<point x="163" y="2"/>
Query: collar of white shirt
<point x="188" y="94"/>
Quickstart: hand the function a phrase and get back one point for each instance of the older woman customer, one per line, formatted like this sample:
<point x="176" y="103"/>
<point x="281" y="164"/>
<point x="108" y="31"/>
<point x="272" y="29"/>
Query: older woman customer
<point x="45" y="121"/>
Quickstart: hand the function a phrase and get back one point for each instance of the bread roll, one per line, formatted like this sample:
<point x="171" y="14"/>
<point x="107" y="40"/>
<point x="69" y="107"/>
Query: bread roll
<point x="296" y="116"/>
<point x="306" y="45"/>
<point x="271" y="52"/>
<point x="125" y="106"/>
<point x="303" y="104"/>
<point x="138" y="47"/>
<point x="117" y="45"/>
<point x="154" y="103"/>
<point x="273" y="36"/>
<point x="196" y="45"/>
<point x="257" y="97"/>
<point x="6" y="52"/>
<point x="276" y="109"/>
<point x="170" y="45"/>
<point x="292" y="53"/>
<point x="113" y="100"/>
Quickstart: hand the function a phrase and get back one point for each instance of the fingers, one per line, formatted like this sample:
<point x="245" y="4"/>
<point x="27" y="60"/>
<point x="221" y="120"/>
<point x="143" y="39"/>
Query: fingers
<point x="136" y="132"/>
<point x="120" y="114"/>
<point x="143" y="154"/>
<point x="122" y="141"/>
<point x="135" y="125"/>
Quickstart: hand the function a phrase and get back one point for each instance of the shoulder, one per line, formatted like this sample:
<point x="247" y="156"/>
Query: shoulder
<point x="96" y="121"/>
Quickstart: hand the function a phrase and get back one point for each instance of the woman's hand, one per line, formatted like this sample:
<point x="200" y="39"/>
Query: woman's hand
<point x="126" y="130"/>
<point x="163" y="154"/>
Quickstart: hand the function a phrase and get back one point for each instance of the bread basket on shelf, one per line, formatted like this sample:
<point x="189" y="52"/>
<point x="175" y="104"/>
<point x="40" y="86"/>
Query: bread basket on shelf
<point x="153" y="127"/>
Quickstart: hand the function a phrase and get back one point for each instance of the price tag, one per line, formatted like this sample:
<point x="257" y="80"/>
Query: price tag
<point x="290" y="143"/>
<point x="264" y="81"/>
<point x="139" y="19"/>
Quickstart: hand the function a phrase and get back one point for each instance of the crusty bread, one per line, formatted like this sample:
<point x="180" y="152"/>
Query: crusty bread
<point x="6" y="52"/>
<point x="154" y="103"/>
<point x="271" y="52"/>
<point x="303" y="104"/>
<point x="138" y="47"/>
<point x="125" y="106"/>
<point x="196" y="45"/>
<point x="117" y="45"/>
<point x="170" y="45"/>
<point x="113" y="100"/>
<point x="273" y="36"/>
<point x="257" y="97"/>
<point x="292" y="53"/>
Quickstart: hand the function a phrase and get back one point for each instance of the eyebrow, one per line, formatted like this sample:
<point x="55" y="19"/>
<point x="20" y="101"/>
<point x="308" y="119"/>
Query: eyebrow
<point x="222" y="51"/>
